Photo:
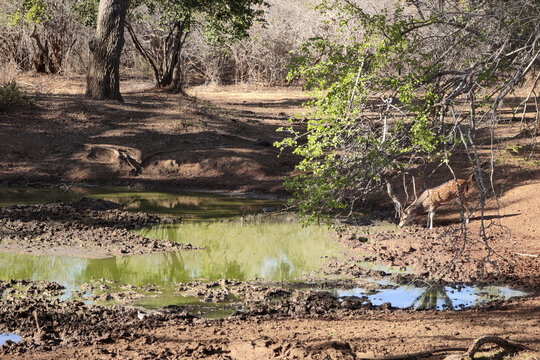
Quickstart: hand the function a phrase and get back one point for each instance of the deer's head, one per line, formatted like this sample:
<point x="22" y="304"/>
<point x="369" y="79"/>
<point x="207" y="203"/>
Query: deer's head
<point x="407" y="215"/>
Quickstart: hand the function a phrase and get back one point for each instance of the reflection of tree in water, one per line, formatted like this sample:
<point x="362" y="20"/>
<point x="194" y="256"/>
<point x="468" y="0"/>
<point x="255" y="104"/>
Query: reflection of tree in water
<point x="233" y="270"/>
<point x="145" y="204"/>
<point x="140" y="270"/>
<point x="273" y="251"/>
<point x="282" y="271"/>
<point x="28" y="195"/>
<point x="429" y="298"/>
<point x="198" y="206"/>
<point x="176" y="267"/>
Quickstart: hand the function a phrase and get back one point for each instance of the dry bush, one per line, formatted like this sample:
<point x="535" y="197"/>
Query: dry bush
<point x="261" y="58"/>
<point x="8" y="72"/>
<point x="60" y="45"/>
<point x="11" y="97"/>
<point x="56" y="43"/>
<point x="264" y="57"/>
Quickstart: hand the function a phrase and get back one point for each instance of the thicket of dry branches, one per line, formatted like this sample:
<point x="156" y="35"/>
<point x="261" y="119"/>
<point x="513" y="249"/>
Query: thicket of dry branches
<point x="60" y="45"/>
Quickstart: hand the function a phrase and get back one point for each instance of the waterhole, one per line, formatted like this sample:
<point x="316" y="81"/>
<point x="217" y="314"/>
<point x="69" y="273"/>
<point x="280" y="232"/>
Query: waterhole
<point x="186" y="205"/>
<point x="235" y="243"/>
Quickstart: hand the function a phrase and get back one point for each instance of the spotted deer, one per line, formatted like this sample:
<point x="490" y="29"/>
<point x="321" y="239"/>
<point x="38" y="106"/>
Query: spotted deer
<point x="431" y="199"/>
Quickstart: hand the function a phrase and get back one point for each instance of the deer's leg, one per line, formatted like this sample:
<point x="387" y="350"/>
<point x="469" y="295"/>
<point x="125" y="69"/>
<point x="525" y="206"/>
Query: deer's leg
<point x="397" y="208"/>
<point x="431" y="215"/>
<point x="468" y="213"/>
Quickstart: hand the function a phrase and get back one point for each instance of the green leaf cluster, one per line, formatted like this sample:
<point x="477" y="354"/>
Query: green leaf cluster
<point x="375" y="75"/>
<point x="29" y="12"/>
<point x="86" y="12"/>
<point x="11" y="96"/>
<point x="222" y="19"/>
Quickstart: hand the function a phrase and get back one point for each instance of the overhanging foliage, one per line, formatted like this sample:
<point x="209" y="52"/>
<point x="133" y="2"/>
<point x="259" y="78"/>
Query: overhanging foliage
<point x="387" y="85"/>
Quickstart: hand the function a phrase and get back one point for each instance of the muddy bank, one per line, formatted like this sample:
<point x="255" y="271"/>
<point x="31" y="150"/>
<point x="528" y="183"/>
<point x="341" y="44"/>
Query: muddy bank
<point x="47" y="325"/>
<point x="31" y="310"/>
<point x="445" y="254"/>
<point x="88" y="228"/>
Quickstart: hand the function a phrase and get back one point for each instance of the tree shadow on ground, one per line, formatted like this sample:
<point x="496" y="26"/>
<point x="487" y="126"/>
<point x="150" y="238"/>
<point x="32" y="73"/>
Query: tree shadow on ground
<point x="49" y="140"/>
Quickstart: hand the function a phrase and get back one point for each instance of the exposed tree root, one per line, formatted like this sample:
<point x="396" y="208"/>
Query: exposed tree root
<point x="415" y="355"/>
<point x="468" y="353"/>
<point x="113" y="154"/>
<point x="124" y="156"/>
<point x="505" y="344"/>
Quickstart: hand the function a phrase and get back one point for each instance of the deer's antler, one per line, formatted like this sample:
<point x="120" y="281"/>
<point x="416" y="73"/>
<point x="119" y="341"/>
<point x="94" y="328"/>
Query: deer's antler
<point x="397" y="205"/>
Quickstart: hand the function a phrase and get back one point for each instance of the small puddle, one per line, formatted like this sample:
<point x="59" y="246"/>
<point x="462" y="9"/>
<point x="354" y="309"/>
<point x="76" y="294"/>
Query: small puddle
<point x="435" y="297"/>
<point x="9" y="337"/>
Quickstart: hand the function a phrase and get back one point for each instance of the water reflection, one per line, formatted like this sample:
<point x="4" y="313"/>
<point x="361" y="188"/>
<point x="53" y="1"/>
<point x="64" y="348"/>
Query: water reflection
<point x="186" y="205"/>
<point x="9" y="336"/>
<point x="435" y="297"/>
<point x="248" y="250"/>
<point x="29" y="195"/>
<point x="265" y="251"/>
<point x="252" y="247"/>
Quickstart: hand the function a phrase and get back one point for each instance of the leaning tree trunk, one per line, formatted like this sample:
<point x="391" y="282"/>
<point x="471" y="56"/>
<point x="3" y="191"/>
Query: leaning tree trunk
<point x="103" y="78"/>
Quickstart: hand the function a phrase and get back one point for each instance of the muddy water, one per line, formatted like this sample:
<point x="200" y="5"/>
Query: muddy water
<point x="244" y="250"/>
<point x="255" y="248"/>
<point x="232" y="250"/>
<point x="180" y="204"/>
<point x="247" y="247"/>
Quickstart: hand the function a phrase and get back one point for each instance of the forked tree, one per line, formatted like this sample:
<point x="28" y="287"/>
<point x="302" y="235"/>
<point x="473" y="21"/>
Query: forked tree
<point x="165" y="25"/>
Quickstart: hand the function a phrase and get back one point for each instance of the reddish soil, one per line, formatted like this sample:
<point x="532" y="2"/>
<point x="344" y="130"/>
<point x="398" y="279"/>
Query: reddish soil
<point x="218" y="139"/>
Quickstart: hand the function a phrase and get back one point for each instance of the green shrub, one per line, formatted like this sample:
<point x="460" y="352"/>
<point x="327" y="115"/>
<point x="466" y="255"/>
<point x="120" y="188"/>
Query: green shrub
<point x="11" y="96"/>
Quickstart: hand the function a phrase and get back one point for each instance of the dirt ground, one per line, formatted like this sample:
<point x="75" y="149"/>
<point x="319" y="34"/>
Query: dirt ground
<point x="372" y="333"/>
<point x="219" y="138"/>
<point x="153" y="139"/>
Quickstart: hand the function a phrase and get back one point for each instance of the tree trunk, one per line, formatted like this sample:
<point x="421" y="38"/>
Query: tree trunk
<point x="103" y="78"/>
<point x="177" y="83"/>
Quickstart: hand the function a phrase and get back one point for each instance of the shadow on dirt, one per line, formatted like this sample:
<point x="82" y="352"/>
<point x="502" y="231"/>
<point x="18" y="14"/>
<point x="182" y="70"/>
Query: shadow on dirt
<point x="181" y="140"/>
